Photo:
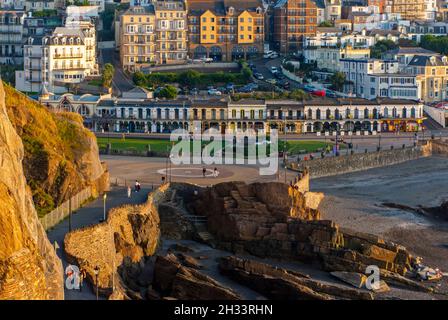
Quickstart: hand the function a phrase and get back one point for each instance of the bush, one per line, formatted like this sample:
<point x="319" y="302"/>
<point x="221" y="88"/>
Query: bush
<point x="168" y="92"/>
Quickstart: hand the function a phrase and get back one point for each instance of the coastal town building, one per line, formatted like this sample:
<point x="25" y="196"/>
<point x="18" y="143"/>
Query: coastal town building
<point x="371" y="78"/>
<point x="54" y="62"/>
<point x="171" y="31"/>
<point x="11" y="36"/>
<point x="137" y="38"/>
<point x="152" y="34"/>
<point x="328" y="58"/>
<point x="345" y="115"/>
<point x="293" y="20"/>
<point x="225" y="30"/>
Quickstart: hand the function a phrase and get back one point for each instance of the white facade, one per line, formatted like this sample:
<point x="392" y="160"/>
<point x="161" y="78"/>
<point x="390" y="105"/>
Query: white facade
<point x="438" y="113"/>
<point x="65" y="57"/>
<point x="430" y="9"/>
<point x="373" y="78"/>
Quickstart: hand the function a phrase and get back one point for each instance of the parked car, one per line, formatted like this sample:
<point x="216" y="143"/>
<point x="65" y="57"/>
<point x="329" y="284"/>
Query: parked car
<point x="194" y="91"/>
<point x="214" y="92"/>
<point x="230" y="86"/>
<point x="279" y="75"/>
<point x="284" y="84"/>
<point x="271" y="81"/>
<point x="207" y="60"/>
<point x="274" y="55"/>
<point x="258" y="76"/>
<point x="274" y="69"/>
<point x="268" y="54"/>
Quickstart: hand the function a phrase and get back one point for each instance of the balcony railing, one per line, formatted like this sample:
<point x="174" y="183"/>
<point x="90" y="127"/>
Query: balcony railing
<point x="68" y="56"/>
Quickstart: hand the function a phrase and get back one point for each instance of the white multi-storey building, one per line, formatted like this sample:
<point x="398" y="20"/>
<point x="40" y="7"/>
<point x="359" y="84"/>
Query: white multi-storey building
<point x="11" y="36"/>
<point x="65" y="57"/>
<point x="371" y="78"/>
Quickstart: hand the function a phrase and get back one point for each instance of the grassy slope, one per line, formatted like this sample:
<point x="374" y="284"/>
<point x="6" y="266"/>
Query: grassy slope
<point x="51" y="144"/>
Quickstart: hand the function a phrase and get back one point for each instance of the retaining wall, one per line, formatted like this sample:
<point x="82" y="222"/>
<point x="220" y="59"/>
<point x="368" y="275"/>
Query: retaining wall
<point x="331" y="166"/>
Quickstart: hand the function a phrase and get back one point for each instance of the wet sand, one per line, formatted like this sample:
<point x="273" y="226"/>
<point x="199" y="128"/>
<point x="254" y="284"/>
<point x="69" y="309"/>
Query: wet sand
<point x="354" y="201"/>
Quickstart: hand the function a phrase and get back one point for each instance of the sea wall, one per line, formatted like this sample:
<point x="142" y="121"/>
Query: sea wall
<point x="331" y="166"/>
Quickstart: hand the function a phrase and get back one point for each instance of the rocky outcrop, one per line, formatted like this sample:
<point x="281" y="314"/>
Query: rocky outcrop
<point x="29" y="267"/>
<point x="60" y="155"/>
<point x="120" y="247"/>
<point x="280" y="284"/>
<point x="275" y="220"/>
<point x="172" y="279"/>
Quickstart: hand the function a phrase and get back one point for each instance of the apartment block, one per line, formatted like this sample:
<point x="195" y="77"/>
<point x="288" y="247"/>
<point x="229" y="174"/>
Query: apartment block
<point x="171" y="31"/>
<point x="54" y="62"/>
<point x="372" y="78"/>
<point x="225" y="30"/>
<point x="137" y="38"/>
<point x="11" y="36"/>
<point x="293" y="20"/>
<point x="408" y="9"/>
<point x="328" y="58"/>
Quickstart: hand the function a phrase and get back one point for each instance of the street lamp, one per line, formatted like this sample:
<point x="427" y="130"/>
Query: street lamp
<point x="104" y="206"/>
<point x="70" y="208"/>
<point x="96" y="271"/>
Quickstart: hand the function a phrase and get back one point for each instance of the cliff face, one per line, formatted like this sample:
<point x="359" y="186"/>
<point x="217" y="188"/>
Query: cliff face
<point x="29" y="267"/>
<point x="60" y="155"/>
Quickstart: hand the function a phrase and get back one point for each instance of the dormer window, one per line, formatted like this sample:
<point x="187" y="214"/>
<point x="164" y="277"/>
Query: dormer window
<point x="259" y="10"/>
<point x="231" y="11"/>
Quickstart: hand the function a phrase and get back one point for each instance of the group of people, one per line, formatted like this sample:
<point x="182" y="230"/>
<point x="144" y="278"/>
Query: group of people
<point x="215" y="172"/>
<point x="137" y="188"/>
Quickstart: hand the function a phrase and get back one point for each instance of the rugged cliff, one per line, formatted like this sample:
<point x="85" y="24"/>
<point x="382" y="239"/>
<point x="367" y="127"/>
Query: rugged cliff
<point x="60" y="155"/>
<point x="29" y="267"/>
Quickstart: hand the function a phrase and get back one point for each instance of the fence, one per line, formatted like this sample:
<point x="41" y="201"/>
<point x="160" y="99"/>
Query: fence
<point x="61" y="212"/>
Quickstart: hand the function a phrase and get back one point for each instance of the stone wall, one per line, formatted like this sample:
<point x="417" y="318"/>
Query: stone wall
<point x="439" y="147"/>
<point x="129" y="235"/>
<point x="361" y="161"/>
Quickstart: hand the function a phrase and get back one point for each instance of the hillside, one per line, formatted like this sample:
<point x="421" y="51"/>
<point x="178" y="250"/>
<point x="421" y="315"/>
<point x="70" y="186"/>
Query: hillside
<point x="60" y="155"/>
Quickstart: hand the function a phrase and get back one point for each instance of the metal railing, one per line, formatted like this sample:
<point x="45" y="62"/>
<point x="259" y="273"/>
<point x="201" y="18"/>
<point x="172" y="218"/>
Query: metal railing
<point x="60" y="213"/>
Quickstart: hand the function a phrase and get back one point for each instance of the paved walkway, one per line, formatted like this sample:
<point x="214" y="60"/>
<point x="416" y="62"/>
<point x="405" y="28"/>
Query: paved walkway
<point x="91" y="214"/>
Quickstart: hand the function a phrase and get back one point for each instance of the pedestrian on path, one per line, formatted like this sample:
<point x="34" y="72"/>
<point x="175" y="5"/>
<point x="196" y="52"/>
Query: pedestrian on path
<point x="129" y="191"/>
<point x="204" y="171"/>
<point x="82" y="276"/>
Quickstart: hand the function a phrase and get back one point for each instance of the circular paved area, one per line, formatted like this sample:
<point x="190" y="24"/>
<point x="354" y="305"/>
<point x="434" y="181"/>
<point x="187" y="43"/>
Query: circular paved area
<point x="149" y="171"/>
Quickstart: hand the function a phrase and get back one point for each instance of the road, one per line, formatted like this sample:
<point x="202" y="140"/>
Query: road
<point x="121" y="81"/>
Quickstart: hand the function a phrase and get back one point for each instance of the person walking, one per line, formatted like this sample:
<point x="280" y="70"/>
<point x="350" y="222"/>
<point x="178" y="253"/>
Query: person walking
<point x="82" y="276"/>
<point x="215" y="172"/>
<point x="129" y="191"/>
<point x="203" y="172"/>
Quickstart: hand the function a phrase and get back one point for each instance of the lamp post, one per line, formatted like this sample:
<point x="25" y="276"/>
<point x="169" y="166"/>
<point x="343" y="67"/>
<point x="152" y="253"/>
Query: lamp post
<point x="70" y="209"/>
<point x="104" y="206"/>
<point x="96" y="271"/>
<point x="379" y="142"/>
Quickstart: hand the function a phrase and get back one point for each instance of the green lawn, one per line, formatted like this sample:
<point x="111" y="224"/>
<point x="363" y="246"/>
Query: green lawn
<point x="96" y="82"/>
<point x="293" y="146"/>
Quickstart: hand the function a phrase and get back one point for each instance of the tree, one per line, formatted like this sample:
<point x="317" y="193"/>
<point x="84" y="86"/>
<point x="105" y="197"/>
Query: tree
<point x="189" y="78"/>
<point x="337" y="81"/>
<point x="297" y="94"/>
<point x="326" y="24"/>
<point x="435" y="43"/>
<point x="168" y="92"/>
<point x="380" y="47"/>
<point x="139" y="79"/>
<point x="108" y="75"/>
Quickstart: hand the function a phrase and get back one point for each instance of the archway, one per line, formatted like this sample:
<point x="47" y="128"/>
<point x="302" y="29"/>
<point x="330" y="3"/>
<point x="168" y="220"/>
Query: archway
<point x="215" y="53"/>
<point x="317" y="126"/>
<point x="200" y="52"/>
<point x="252" y="52"/>
<point x="237" y="53"/>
